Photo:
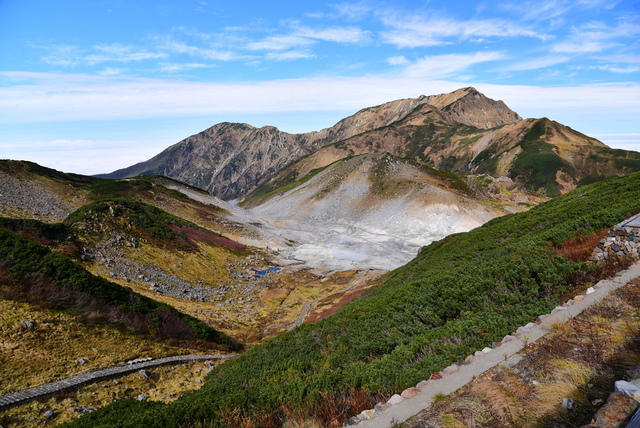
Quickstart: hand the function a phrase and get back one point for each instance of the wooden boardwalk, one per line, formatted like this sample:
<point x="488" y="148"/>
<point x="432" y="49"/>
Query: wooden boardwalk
<point x="22" y="397"/>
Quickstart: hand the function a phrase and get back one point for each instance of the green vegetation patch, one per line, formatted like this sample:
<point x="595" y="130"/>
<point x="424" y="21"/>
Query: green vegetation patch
<point x="537" y="165"/>
<point x="36" y="272"/>
<point x="458" y="295"/>
<point x="436" y="135"/>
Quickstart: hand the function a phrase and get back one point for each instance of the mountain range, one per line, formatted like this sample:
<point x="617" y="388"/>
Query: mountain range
<point x="462" y="132"/>
<point x="237" y="234"/>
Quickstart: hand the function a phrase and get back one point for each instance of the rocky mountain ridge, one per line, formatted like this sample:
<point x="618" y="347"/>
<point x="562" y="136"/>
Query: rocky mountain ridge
<point x="232" y="159"/>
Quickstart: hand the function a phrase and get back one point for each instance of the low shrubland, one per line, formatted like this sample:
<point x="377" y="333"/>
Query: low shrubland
<point x="458" y="295"/>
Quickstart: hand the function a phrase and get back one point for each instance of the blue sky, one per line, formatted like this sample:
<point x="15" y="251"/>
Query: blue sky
<point x="92" y="86"/>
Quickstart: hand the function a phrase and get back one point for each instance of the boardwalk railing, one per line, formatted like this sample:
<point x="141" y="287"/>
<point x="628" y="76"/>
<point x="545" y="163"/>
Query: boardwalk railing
<point x="22" y="397"/>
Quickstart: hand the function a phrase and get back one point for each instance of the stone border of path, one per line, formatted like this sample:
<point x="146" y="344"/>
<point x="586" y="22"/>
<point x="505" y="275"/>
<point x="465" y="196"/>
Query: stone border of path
<point x="399" y="409"/>
<point x="25" y="396"/>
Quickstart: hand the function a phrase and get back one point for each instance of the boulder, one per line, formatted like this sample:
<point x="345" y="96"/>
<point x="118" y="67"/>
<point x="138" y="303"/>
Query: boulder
<point x="615" y="413"/>
<point x="367" y="415"/>
<point x="49" y="414"/>
<point x="395" y="399"/>
<point x="633" y="373"/>
<point x="28" y="324"/>
<point x="628" y="389"/>
<point x="451" y="369"/>
<point x="410" y="392"/>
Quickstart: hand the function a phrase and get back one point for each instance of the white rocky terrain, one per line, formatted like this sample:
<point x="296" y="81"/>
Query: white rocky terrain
<point x="346" y="217"/>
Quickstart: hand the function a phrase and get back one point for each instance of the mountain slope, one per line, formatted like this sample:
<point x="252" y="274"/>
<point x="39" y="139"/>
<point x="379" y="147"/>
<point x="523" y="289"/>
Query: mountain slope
<point x="458" y="295"/>
<point x="544" y="156"/>
<point x="230" y="160"/>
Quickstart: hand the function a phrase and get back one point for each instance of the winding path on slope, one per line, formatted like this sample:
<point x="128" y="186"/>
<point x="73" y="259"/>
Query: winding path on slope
<point x="22" y="397"/>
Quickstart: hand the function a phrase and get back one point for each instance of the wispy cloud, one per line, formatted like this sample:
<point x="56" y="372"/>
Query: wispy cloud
<point x="28" y="97"/>
<point x="61" y="55"/>
<point x="553" y="9"/>
<point x="279" y="43"/>
<point x="597" y="37"/>
<point x="536" y="63"/>
<point x="177" y="47"/>
<point x="398" y="60"/>
<point x="417" y="31"/>
<point x="353" y="11"/>
<point x="335" y="34"/>
<point x="289" y="55"/>
<point x="120" y="53"/>
<point x="84" y="156"/>
<point x="177" y="67"/>
<point x="442" y="66"/>
<point x="70" y="56"/>
<point x="618" y="69"/>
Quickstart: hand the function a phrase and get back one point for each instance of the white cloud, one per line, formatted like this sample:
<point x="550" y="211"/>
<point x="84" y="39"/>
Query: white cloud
<point x="398" y="60"/>
<point x="618" y="69"/>
<point x="84" y="156"/>
<point x="352" y="10"/>
<point x="176" y="67"/>
<point x="289" y="55"/>
<point x="280" y="43"/>
<point x="111" y="71"/>
<point x="43" y="97"/>
<point x="539" y="10"/>
<point x="27" y="98"/>
<point x="620" y="141"/>
<point x="536" y="63"/>
<point x="71" y="56"/>
<point x="554" y="9"/>
<point x="336" y="34"/>
<point x="597" y="37"/>
<point x="120" y="53"/>
<point x="195" y="51"/>
<point x="417" y="31"/>
<point x="439" y="66"/>
<point x="63" y="55"/>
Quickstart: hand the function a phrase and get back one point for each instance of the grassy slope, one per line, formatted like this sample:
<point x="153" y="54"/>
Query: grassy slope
<point x="457" y="296"/>
<point x="32" y="271"/>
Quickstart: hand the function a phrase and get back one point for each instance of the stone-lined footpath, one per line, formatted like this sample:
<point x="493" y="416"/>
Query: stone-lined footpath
<point x="401" y="407"/>
<point x="22" y="397"/>
<point x="623" y="239"/>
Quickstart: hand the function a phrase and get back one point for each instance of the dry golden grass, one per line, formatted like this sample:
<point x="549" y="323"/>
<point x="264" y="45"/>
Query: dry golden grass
<point x="49" y="352"/>
<point x="165" y="384"/>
